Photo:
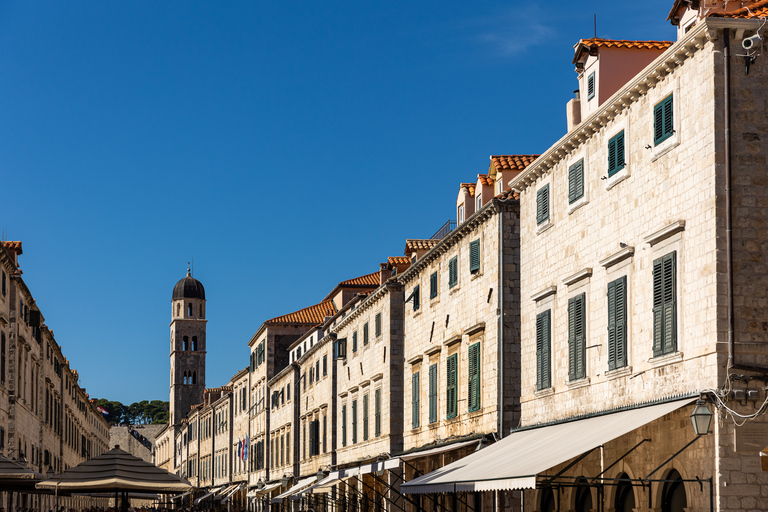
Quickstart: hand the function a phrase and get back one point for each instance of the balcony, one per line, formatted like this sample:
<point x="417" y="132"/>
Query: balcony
<point x="444" y="230"/>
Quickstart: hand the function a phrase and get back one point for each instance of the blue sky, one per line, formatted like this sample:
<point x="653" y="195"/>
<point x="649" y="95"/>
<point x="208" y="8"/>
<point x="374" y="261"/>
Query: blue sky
<point x="284" y="146"/>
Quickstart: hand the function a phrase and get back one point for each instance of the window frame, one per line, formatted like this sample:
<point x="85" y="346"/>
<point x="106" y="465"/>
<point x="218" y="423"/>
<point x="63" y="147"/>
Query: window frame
<point x="664" y="271"/>
<point x="415" y="400"/>
<point x="544" y="350"/>
<point x="543" y="205"/>
<point x="453" y="272"/>
<point x="591" y="81"/>
<point x="663" y="119"/>
<point x="617" y="323"/>
<point x="618" y="141"/>
<point x="577" y="335"/>
<point x="474" y="256"/>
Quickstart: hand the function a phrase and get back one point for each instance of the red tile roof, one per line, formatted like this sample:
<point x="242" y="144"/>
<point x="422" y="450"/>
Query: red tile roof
<point x="470" y="188"/>
<point x="366" y="280"/>
<point x="585" y="45"/>
<point x="16" y="246"/>
<point x="484" y="179"/>
<point x="508" y="194"/>
<point x="756" y="10"/>
<point x="512" y="162"/>
<point x="313" y="315"/>
<point x="399" y="260"/>
<point x="419" y="245"/>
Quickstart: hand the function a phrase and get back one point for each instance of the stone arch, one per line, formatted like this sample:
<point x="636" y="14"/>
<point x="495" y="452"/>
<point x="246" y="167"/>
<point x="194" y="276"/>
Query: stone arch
<point x="610" y="494"/>
<point x="194" y="377"/>
<point x="185" y="343"/>
<point x="583" y="497"/>
<point x="675" y="470"/>
<point x="546" y="499"/>
<point x="194" y="343"/>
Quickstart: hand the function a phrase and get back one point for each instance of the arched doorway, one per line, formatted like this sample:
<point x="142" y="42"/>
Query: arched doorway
<point x="583" y="502"/>
<point x="547" y="500"/>
<point x="625" y="495"/>
<point x="673" y="498"/>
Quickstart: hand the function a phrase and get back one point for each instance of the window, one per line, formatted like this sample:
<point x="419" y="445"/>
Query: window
<point x="185" y="343"/>
<point x="591" y="86"/>
<point x="664" y="321"/>
<point x="377" y="413"/>
<point x="543" y="330"/>
<point x="378" y="325"/>
<point x="473" y="377"/>
<point x="474" y="256"/>
<point x="576" y="181"/>
<point x="365" y="417"/>
<point x="662" y="121"/>
<point x="365" y="333"/>
<point x="416" y="297"/>
<point x="542" y="205"/>
<point x="189" y="309"/>
<point x="415" y="400"/>
<point x="616" y="154"/>
<point x="194" y="343"/>
<point x="325" y="431"/>
<point x="479" y="202"/>
<point x="317" y="370"/>
<point x="576" y="338"/>
<point x="433" y="285"/>
<point x="461" y="213"/>
<point x="354" y="341"/>
<point x="433" y="393"/>
<point x="617" y="323"/>
<point x="451" y="398"/>
<point x="453" y="272"/>
<point x="354" y="421"/>
<point x="344" y="425"/>
<point x="325" y="365"/>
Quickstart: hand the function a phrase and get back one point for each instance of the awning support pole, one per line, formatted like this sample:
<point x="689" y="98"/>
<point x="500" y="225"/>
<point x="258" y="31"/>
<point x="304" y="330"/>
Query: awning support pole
<point x="466" y="503"/>
<point x="672" y="457"/>
<point x="569" y="466"/>
<point x="389" y="487"/>
<point x="620" y="459"/>
<point x="416" y="470"/>
<point x="374" y="490"/>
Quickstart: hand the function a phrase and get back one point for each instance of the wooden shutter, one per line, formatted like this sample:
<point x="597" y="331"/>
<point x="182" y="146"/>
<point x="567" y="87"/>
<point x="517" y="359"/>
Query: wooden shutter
<point x="433" y="285"/>
<point x="311" y="439"/>
<point x="668" y="117"/>
<point x="354" y="341"/>
<point x="365" y="333"/>
<point x="658" y="307"/>
<point x="378" y="324"/>
<point x="576" y="338"/>
<point x="354" y="421"/>
<point x="451" y="395"/>
<point x="453" y="272"/>
<point x="576" y="181"/>
<point x="620" y="150"/>
<point x="542" y="204"/>
<point x="416" y="298"/>
<point x="365" y="417"/>
<point x="474" y="377"/>
<point x="616" y="153"/>
<point x="591" y="86"/>
<point x="664" y="305"/>
<point x="542" y="350"/>
<point x="474" y="256"/>
<point x="433" y="393"/>
<point x="663" y="125"/>
<point x="377" y="413"/>
<point x="415" y="400"/>
<point x="617" y="321"/>
<point x="344" y="425"/>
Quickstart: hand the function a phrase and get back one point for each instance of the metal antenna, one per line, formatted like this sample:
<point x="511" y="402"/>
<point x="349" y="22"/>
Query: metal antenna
<point x="595" y="24"/>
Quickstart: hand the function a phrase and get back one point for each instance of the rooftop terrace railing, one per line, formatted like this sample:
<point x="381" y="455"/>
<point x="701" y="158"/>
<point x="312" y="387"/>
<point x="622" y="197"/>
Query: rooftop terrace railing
<point x="444" y="230"/>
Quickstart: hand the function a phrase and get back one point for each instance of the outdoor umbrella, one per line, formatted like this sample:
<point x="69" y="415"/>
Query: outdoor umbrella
<point x="116" y="471"/>
<point x="15" y="477"/>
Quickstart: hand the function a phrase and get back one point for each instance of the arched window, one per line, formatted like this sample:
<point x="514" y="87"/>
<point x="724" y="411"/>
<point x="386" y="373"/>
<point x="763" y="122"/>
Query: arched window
<point x="178" y="309"/>
<point x="547" y="500"/>
<point x="194" y="377"/>
<point x="184" y="381"/>
<point x="625" y="495"/>
<point x="583" y="496"/>
<point x="189" y="309"/>
<point x="673" y="497"/>
<point x="185" y="343"/>
<point x="194" y="342"/>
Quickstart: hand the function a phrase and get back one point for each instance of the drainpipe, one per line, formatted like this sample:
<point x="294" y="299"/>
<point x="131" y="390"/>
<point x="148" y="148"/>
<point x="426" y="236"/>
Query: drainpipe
<point x="500" y="332"/>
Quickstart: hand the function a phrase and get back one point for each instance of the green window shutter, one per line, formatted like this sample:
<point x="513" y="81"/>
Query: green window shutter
<point x="433" y="393"/>
<point x="378" y="324"/>
<point x="669" y="128"/>
<point x="576" y="181"/>
<point x="543" y="326"/>
<point x="415" y="400"/>
<point x="542" y="204"/>
<point x="354" y="421"/>
<point x="354" y="341"/>
<point x="416" y="298"/>
<point x="365" y="417"/>
<point x="377" y="413"/>
<point x="664" y="302"/>
<point x="474" y="256"/>
<point x="365" y="333"/>
<point x="576" y="338"/>
<point x="591" y="86"/>
<point x="451" y="397"/>
<point x="617" y="323"/>
<point x="453" y="272"/>
<point x="474" y="377"/>
<point x="344" y="425"/>
<point x="433" y="285"/>
<point x="663" y="125"/>
<point x="616" y="159"/>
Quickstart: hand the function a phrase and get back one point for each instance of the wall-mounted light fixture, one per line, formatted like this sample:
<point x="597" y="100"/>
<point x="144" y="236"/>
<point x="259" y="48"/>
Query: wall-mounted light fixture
<point x="701" y="417"/>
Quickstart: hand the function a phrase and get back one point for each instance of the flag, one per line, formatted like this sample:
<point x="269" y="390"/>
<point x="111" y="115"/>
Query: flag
<point x="239" y="448"/>
<point x="245" y="449"/>
<point x="102" y="410"/>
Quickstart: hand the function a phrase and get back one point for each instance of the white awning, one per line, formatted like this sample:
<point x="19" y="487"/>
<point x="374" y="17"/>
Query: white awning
<point x="300" y="485"/>
<point x="224" y="491"/>
<point x="180" y="495"/>
<point x="438" y="450"/>
<point x="232" y="492"/>
<point x="264" y="490"/>
<point x="514" y="462"/>
<point x="213" y="491"/>
<point x="324" y="485"/>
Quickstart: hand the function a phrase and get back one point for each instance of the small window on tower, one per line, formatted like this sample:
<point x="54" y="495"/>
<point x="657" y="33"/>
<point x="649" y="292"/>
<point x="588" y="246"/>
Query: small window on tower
<point x="194" y="377"/>
<point x="178" y="309"/>
<point x="189" y="309"/>
<point x="194" y="343"/>
<point x="185" y="343"/>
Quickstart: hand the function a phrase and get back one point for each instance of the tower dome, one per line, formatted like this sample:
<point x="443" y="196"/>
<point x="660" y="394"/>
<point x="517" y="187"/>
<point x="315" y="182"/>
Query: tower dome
<point x="188" y="288"/>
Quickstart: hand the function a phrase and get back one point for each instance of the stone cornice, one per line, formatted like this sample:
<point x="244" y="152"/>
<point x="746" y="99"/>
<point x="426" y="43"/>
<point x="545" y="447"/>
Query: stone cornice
<point x="657" y="70"/>
<point x="665" y="232"/>
<point x="490" y="209"/>
<point x="369" y="301"/>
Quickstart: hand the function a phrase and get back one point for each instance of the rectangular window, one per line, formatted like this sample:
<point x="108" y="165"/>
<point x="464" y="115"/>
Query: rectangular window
<point x="453" y="272"/>
<point x="542" y="205"/>
<point x="416" y="298"/>
<point x="378" y="325"/>
<point x="365" y="417"/>
<point x="543" y="330"/>
<point x="325" y="432"/>
<point x="616" y="160"/>
<point x="344" y="425"/>
<point x="451" y="391"/>
<point x="415" y="400"/>
<point x="576" y="338"/>
<point x="664" y="300"/>
<point x="473" y="377"/>
<point x="377" y="413"/>
<point x="317" y="370"/>
<point x="461" y="213"/>
<point x="354" y="421"/>
<point x="433" y="393"/>
<point x="474" y="256"/>
<point x="617" y="323"/>
<point x="576" y="181"/>
<point x="325" y="365"/>
<point x="365" y="333"/>
<point x="433" y="285"/>
<point x="662" y="121"/>
<point x="354" y="341"/>
<point x="591" y="86"/>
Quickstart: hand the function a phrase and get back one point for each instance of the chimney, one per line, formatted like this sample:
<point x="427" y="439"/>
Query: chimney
<point x="573" y="110"/>
<point x="384" y="273"/>
<point x="14" y="250"/>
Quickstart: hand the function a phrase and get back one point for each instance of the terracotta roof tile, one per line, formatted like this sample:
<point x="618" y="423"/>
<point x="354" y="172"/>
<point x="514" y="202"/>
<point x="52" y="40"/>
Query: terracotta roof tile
<point x="313" y="315"/>
<point x="399" y="260"/>
<point x="508" y="194"/>
<point x="470" y="188"/>
<point x="366" y="280"/>
<point x="623" y="43"/>
<point x="512" y="162"/>
<point x="419" y="245"/>
<point x="756" y="10"/>
<point x="484" y="179"/>
<point x="16" y="246"/>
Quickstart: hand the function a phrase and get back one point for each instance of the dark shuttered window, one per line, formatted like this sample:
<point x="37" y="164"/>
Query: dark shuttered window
<point x="616" y="161"/>
<point x="451" y="390"/>
<point x="365" y="417"/>
<point x="377" y="325"/>
<point x="377" y="413"/>
<point x="662" y="120"/>
<point x="664" y="299"/>
<point x="591" y="86"/>
<point x="576" y="338"/>
<point x="433" y="285"/>
<point x="542" y="205"/>
<point x="453" y="272"/>
<point x="433" y="393"/>
<point x="617" y="323"/>
<point x="415" y="393"/>
<point x="543" y="358"/>
<point x="473" y="377"/>
<point x="474" y="256"/>
<point x="576" y="181"/>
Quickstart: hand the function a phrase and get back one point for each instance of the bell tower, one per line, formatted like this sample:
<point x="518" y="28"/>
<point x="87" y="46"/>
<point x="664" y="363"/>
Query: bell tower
<point x="187" y="347"/>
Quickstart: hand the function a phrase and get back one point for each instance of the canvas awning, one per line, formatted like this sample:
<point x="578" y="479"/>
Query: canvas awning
<point x="299" y="486"/>
<point x="220" y="493"/>
<point x="180" y="495"/>
<point x="264" y="490"/>
<point x="324" y="485"/>
<point x="231" y="493"/>
<point x="210" y="493"/>
<point x="438" y="450"/>
<point x="515" y="461"/>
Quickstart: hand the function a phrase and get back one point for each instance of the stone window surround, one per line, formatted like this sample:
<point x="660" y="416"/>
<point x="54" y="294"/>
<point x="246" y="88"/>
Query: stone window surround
<point x="540" y="228"/>
<point x="619" y="126"/>
<point x="573" y="159"/>
<point x="654" y="97"/>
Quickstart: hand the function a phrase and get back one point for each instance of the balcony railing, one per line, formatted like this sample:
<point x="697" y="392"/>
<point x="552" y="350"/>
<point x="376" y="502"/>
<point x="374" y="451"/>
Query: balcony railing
<point x="444" y="230"/>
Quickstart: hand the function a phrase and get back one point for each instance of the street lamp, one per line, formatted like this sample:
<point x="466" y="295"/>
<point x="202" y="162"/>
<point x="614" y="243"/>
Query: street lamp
<point x="701" y="417"/>
<point x="260" y="484"/>
<point x="285" y="480"/>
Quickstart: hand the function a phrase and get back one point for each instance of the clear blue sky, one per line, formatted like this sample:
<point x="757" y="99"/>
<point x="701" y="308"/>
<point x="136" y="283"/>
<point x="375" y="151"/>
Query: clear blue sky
<point x="285" y="146"/>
